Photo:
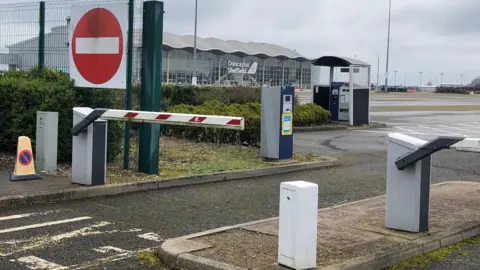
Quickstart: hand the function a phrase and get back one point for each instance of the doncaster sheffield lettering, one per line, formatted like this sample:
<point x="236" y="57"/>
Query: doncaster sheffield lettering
<point x="242" y="68"/>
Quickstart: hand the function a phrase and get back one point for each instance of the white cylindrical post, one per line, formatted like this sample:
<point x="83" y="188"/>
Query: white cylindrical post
<point x="297" y="232"/>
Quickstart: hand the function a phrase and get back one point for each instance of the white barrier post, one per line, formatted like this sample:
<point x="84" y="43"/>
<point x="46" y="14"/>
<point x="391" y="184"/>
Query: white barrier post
<point x="297" y="232"/>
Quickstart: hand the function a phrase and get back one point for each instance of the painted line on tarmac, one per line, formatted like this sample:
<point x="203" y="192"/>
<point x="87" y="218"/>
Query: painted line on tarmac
<point x="151" y="236"/>
<point x="410" y="131"/>
<point x="45" y="224"/>
<point x="114" y="258"/>
<point x="460" y="129"/>
<point x="107" y="249"/>
<point x="475" y="125"/>
<point x="32" y="262"/>
<point x="443" y="131"/>
<point x="28" y="215"/>
<point x="11" y="247"/>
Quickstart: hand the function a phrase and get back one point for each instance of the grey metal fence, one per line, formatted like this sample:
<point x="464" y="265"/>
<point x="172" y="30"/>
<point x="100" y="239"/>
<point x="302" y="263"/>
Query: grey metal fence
<point x="36" y="34"/>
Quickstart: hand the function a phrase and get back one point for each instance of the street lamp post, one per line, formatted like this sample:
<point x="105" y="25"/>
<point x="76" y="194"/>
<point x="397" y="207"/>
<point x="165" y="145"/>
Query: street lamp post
<point x="461" y="79"/>
<point x="378" y="69"/>
<point x="420" y="79"/>
<point x="395" y="81"/>
<point x="194" y="77"/>
<point x="441" y="79"/>
<point x="388" y="44"/>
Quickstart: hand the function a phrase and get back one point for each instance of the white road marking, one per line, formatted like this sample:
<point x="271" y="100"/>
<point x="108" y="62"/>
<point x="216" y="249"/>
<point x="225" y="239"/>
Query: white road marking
<point x="44" y="241"/>
<point x="13" y="246"/>
<point x="45" y="224"/>
<point x="442" y="131"/>
<point x="475" y="125"/>
<point x="151" y="236"/>
<point x="113" y="258"/>
<point x="104" y="45"/>
<point x="460" y="129"/>
<point x="410" y="131"/>
<point x="106" y="249"/>
<point x="28" y="215"/>
<point x="32" y="262"/>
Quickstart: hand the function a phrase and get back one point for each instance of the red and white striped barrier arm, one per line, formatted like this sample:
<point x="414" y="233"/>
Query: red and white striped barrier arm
<point x="225" y="122"/>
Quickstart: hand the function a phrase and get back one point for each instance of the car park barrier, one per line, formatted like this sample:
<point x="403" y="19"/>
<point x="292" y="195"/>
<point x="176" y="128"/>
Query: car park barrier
<point x="409" y="168"/>
<point x="89" y="142"/>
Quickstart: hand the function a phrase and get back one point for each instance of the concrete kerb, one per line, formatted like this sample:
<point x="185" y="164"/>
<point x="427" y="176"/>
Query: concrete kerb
<point x="76" y="193"/>
<point x="338" y="127"/>
<point x="169" y="250"/>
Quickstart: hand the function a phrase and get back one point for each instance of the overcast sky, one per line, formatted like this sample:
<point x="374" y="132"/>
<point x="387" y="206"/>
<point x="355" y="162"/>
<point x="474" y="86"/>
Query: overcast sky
<point x="431" y="36"/>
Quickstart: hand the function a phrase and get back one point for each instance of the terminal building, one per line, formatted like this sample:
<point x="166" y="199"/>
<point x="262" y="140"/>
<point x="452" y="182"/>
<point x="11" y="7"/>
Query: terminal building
<point x="220" y="62"/>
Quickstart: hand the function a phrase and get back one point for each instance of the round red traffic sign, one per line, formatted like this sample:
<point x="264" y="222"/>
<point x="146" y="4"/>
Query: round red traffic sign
<point x="97" y="45"/>
<point x="25" y="157"/>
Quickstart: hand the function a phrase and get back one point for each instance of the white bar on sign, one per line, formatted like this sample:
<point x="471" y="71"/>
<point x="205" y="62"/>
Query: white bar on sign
<point x="106" y="45"/>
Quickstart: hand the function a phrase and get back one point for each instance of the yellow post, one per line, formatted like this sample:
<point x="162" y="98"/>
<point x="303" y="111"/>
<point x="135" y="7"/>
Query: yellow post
<point x="24" y="164"/>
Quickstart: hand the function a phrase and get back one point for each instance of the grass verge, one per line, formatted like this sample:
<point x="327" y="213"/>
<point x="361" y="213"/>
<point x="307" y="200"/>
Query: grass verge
<point x="422" y="262"/>
<point x="184" y="158"/>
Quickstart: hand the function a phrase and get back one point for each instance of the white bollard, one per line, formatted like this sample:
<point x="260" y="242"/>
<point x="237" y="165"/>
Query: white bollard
<point x="297" y="232"/>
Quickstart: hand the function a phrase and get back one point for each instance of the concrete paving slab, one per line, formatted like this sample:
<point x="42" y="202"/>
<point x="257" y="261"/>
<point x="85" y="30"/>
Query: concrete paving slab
<point x="350" y="235"/>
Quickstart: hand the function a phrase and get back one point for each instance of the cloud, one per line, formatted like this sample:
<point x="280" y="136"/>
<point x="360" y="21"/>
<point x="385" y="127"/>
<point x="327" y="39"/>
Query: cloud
<point x="431" y="36"/>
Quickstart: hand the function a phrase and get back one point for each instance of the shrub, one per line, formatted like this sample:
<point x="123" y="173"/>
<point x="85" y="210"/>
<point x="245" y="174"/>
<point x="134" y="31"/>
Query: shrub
<point x="25" y="93"/>
<point x="175" y="94"/>
<point x="304" y="114"/>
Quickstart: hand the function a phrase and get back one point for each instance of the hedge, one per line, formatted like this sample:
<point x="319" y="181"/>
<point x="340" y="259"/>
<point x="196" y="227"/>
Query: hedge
<point x="304" y="114"/>
<point x="176" y="94"/>
<point x="25" y="93"/>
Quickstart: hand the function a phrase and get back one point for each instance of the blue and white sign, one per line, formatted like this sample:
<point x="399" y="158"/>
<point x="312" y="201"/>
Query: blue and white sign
<point x="287" y="124"/>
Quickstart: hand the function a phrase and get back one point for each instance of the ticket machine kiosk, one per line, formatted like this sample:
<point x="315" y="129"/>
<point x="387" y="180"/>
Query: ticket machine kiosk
<point x="345" y="90"/>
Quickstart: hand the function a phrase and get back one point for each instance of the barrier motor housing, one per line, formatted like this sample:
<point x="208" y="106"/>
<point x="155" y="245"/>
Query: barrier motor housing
<point x="277" y="122"/>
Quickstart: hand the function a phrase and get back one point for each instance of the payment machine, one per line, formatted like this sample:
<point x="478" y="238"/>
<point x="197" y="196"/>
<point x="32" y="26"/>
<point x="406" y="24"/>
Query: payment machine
<point x="343" y="103"/>
<point x="277" y="122"/>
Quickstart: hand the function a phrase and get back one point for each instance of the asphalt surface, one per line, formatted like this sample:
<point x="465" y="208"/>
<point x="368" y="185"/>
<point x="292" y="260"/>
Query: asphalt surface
<point x="109" y="232"/>
<point x="407" y="99"/>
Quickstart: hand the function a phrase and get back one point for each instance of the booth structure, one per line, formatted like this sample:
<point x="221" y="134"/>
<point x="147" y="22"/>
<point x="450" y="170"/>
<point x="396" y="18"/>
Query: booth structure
<point x="345" y="92"/>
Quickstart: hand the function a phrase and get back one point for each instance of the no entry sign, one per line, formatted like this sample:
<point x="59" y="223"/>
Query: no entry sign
<point x="98" y="38"/>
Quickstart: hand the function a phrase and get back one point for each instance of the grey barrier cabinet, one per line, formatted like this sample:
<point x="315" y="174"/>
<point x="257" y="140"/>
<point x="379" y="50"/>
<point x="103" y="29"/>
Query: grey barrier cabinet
<point x="408" y="180"/>
<point x="276" y="131"/>
<point x="407" y="202"/>
<point x="89" y="150"/>
<point x="46" y="141"/>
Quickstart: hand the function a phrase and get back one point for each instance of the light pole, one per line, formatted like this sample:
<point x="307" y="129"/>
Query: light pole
<point x="194" y="77"/>
<point x="420" y="79"/>
<point x="378" y="69"/>
<point x="388" y="44"/>
<point x="395" y="81"/>
<point x="441" y="78"/>
<point x="461" y="79"/>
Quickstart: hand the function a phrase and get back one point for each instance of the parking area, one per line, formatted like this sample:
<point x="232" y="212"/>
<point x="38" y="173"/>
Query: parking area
<point x="62" y="238"/>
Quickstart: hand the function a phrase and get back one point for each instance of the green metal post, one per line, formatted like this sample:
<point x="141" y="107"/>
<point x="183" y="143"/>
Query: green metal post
<point x="41" y="37"/>
<point x="151" y="91"/>
<point x="128" y="97"/>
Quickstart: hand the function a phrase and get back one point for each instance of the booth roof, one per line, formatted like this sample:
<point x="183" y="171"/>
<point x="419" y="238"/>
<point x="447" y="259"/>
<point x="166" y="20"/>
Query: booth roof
<point x="337" y="61"/>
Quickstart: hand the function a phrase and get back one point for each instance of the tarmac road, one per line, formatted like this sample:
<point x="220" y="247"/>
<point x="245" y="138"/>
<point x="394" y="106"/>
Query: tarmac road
<point x="408" y="99"/>
<point x="111" y="231"/>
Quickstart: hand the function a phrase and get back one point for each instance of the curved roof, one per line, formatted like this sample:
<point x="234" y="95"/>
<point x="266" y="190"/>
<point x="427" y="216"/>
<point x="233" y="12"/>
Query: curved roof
<point x="336" y="61"/>
<point x="217" y="46"/>
<point x="213" y="45"/>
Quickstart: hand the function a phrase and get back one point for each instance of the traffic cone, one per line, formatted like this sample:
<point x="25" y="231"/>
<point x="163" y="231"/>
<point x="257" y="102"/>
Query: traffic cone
<point x="24" y="164"/>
